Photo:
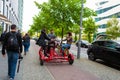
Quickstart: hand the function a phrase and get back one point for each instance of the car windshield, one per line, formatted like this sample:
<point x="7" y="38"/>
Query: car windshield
<point x="117" y="42"/>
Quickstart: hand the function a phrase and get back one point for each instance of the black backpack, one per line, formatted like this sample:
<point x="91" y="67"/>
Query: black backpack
<point x="12" y="41"/>
<point x="26" y="39"/>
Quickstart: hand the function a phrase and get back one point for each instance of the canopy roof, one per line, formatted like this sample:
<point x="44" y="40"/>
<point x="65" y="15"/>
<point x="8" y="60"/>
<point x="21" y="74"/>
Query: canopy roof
<point x="4" y="19"/>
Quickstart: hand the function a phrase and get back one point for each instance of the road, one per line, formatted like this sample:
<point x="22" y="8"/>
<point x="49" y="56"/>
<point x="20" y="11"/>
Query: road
<point x="82" y="69"/>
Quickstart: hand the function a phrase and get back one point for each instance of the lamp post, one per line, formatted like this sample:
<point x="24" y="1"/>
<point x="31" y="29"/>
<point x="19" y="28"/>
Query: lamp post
<point x="79" y="42"/>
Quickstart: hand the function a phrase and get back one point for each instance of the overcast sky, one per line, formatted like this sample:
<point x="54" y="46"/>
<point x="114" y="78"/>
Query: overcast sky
<point x="30" y="10"/>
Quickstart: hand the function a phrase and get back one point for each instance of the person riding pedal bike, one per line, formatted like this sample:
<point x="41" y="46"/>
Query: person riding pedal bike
<point x="42" y="41"/>
<point x="68" y="43"/>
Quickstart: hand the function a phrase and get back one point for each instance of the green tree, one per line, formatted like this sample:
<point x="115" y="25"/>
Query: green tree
<point x="113" y="28"/>
<point x="60" y="15"/>
<point x="0" y="29"/>
<point x="89" y="28"/>
<point x="75" y="30"/>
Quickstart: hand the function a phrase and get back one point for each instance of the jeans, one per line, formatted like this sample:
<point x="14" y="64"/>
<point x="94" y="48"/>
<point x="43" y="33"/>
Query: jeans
<point x="45" y="50"/>
<point x="12" y="62"/>
<point x="64" y="46"/>
<point x="26" y="46"/>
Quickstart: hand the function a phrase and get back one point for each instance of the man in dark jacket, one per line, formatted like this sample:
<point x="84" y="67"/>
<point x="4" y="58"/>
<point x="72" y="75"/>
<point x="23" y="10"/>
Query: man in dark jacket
<point x="12" y="52"/>
<point x="41" y="41"/>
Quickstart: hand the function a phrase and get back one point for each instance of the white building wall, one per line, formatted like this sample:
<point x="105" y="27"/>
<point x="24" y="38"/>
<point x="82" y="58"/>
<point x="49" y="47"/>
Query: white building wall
<point x="10" y="10"/>
<point x="110" y="12"/>
<point x="20" y="13"/>
<point x="14" y="11"/>
<point x="1" y="7"/>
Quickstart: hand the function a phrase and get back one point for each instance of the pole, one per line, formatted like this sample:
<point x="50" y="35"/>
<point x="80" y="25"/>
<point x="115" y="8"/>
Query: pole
<point x="79" y="42"/>
<point x="18" y="66"/>
<point x="19" y="60"/>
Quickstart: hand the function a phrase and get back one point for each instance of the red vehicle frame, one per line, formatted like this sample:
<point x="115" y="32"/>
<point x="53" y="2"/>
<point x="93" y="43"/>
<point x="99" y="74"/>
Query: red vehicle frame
<point x="54" y="56"/>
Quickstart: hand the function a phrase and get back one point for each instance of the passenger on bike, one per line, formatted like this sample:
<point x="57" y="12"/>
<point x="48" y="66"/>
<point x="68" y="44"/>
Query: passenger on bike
<point x="68" y="43"/>
<point x="51" y="35"/>
<point x="42" y="41"/>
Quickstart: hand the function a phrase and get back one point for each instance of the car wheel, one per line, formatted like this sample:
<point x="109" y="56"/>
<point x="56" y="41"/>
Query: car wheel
<point x="91" y="56"/>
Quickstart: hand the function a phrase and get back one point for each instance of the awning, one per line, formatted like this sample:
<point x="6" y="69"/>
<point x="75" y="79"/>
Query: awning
<point x="4" y="19"/>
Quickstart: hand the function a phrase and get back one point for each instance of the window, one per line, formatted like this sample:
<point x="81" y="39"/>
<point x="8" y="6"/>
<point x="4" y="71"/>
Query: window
<point x="1" y="6"/>
<point x="105" y="9"/>
<point x="102" y="26"/>
<point x="110" y="44"/>
<point x="101" y="3"/>
<point x="10" y="5"/>
<point x="101" y="43"/>
<point x="7" y="10"/>
<point x="98" y="43"/>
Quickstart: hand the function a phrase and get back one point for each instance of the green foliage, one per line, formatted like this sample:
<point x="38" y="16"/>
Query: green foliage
<point x="89" y="28"/>
<point x="0" y="29"/>
<point x="60" y="15"/>
<point x="113" y="28"/>
<point x="75" y="29"/>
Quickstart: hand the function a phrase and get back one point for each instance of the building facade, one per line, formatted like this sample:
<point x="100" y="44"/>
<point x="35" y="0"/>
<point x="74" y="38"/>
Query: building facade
<point x="106" y="9"/>
<point x="20" y="13"/>
<point x="12" y="10"/>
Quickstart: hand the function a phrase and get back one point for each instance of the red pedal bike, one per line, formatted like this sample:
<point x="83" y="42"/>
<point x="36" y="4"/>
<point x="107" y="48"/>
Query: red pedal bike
<point x="55" y="54"/>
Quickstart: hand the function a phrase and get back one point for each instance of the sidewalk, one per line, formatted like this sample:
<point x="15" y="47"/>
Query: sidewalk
<point x="30" y="69"/>
<point x="3" y="67"/>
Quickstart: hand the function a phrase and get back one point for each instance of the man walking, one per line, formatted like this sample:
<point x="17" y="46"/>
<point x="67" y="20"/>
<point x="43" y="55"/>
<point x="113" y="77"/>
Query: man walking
<point x="13" y="46"/>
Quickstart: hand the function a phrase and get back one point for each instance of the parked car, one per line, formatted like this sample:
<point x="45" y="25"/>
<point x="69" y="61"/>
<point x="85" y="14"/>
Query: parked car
<point x="106" y="50"/>
<point x="84" y="43"/>
<point x="35" y="38"/>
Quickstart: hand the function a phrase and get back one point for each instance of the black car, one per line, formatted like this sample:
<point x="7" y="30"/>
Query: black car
<point x="35" y="38"/>
<point x="84" y="43"/>
<point x="106" y="50"/>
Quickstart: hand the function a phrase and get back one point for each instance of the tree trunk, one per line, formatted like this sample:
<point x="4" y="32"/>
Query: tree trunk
<point x="89" y="37"/>
<point x="62" y="35"/>
<point x="75" y="39"/>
